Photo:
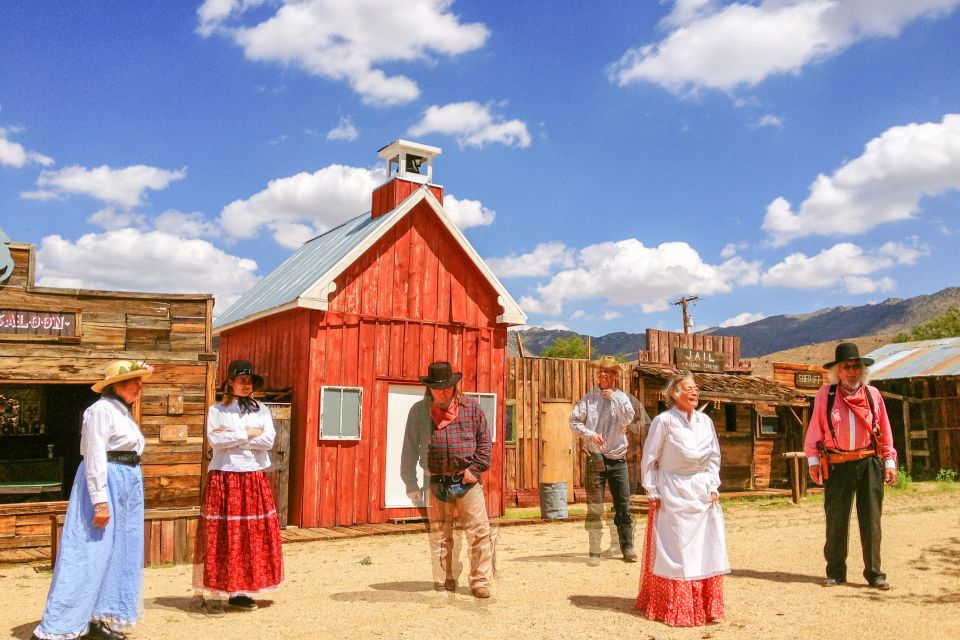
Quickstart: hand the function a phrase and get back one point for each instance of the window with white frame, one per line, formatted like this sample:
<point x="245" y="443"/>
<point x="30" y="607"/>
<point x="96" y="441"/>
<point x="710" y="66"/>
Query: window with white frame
<point x="488" y="404"/>
<point x="340" y="413"/>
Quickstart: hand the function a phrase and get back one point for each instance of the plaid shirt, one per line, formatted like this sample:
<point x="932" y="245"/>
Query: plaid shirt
<point x="462" y="444"/>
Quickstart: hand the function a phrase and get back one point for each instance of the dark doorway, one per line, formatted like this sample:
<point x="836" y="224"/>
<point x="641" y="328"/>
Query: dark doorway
<point x="40" y="449"/>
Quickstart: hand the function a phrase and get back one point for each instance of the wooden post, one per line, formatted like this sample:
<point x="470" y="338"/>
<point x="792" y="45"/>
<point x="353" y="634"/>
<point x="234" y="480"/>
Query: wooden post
<point x="906" y="436"/>
<point x="516" y="334"/>
<point x="798" y="479"/>
<point x="589" y="348"/>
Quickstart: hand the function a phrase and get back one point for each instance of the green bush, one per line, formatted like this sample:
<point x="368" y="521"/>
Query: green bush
<point x="904" y="480"/>
<point x="946" y="475"/>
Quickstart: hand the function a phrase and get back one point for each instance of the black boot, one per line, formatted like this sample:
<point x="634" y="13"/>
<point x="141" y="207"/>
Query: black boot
<point x="100" y="631"/>
<point x="625" y="534"/>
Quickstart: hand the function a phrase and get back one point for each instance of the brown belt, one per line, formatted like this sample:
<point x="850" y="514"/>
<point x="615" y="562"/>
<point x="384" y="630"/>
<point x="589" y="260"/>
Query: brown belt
<point x="836" y="457"/>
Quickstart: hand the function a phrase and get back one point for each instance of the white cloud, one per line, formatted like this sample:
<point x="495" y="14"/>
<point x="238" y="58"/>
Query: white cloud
<point x="843" y="265"/>
<point x="468" y="213"/>
<point x="343" y="131"/>
<point x="39" y="195"/>
<point x="540" y="262"/>
<point x="611" y="315"/>
<point x="627" y="273"/>
<point x="109" y="218"/>
<point x="741" y="44"/>
<point x="14" y="154"/>
<point x="121" y="187"/>
<point x="732" y="248"/>
<point x="300" y="206"/>
<point x="185" y="225"/>
<point x="770" y="120"/>
<point x="885" y="184"/>
<point x="742" y="318"/>
<point x="555" y="325"/>
<point x="132" y="260"/>
<point x="347" y="40"/>
<point x="472" y="125"/>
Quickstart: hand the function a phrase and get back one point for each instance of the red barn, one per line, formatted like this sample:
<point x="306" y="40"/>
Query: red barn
<point x="351" y="320"/>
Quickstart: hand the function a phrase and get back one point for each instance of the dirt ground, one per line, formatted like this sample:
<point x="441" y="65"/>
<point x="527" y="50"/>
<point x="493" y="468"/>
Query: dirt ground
<point x="381" y="587"/>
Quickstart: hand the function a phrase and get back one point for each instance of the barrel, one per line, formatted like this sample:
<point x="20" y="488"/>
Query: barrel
<point x="553" y="500"/>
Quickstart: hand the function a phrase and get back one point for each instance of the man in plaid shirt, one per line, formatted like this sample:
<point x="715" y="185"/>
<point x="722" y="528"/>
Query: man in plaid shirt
<point x="450" y="431"/>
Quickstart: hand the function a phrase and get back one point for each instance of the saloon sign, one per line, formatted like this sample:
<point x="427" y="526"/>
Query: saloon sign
<point x="44" y="323"/>
<point x="699" y="360"/>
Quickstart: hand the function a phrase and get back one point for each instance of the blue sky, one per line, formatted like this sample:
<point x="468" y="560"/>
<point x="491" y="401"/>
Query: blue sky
<point x="604" y="158"/>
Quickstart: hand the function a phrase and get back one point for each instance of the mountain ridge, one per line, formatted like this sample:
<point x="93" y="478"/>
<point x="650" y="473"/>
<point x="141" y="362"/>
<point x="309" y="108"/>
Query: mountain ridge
<point x="776" y="333"/>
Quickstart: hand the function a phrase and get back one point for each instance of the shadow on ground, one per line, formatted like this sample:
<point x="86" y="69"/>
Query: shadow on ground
<point x="775" y="576"/>
<point x="604" y="603"/>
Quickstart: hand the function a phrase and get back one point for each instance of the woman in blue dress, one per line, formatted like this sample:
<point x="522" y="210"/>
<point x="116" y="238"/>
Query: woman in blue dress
<point x="98" y="576"/>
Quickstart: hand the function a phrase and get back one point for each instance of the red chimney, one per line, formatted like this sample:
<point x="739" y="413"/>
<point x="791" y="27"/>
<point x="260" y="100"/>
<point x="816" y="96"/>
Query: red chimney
<point x="409" y="166"/>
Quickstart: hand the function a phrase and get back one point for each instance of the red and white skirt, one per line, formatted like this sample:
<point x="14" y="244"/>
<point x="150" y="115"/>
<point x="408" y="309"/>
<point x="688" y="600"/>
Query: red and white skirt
<point x="238" y="536"/>
<point x="678" y="603"/>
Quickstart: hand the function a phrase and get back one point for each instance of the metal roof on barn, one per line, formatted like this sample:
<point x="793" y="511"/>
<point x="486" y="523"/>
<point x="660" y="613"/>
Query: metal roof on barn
<point x="306" y="278"/>
<point x="916" y="359"/>
<point x="298" y="272"/>
<point x="731" y="387"/>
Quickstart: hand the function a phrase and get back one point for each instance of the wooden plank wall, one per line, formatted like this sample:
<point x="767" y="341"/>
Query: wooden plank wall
<point x="661" y="345"/>
<point x="528" y="381"/>
<point x="934" y="409"/>
<point x="413" y="298"/>
<point x="171" y="332"/>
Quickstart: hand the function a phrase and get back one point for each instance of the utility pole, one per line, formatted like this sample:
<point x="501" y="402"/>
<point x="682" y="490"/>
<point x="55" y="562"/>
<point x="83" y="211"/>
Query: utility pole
<point x="683" y="304"/>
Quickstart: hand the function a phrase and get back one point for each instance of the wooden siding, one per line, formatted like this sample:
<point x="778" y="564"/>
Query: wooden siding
<point x="170" y="332"/>
<point x="933" y="411"/>
<point x="661" y="346"/>
<point x="412" y="298"/>
<point x="748" y="460"/>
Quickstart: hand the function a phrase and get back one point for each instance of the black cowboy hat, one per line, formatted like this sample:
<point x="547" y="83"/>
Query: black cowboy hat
<point x="440" y="375"/>
<point x="244" y="368"/>
<point x="847" y="351"/>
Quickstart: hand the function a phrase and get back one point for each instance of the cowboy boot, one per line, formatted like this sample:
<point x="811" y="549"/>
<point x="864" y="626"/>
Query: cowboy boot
<point x="625" y="533"/>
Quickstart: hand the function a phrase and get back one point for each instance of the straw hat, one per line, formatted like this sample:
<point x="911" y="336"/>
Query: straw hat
<point x="120" y="370"/>
<point x="606" y="362"/>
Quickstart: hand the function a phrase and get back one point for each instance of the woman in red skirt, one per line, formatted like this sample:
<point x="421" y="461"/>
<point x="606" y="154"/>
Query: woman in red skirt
<point x="238" y="534"/>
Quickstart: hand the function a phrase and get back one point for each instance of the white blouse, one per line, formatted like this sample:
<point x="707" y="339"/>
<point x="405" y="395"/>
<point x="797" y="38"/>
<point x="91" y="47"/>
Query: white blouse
<point x="227" y="434"/>
<point x="107" y="426"/>
<point x="681" y="446"/>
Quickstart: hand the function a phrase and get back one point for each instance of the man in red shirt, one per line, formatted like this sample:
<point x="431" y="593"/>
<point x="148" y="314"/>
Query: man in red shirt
<point x="454" y="431"/>
<point x="849" y="447"/>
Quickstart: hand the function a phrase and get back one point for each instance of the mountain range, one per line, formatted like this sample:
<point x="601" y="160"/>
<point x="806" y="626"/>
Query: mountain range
<point x="777" y="333"/>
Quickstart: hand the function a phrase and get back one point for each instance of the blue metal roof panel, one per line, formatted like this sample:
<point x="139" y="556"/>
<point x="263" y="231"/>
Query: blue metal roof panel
<point x="297" y="273"/>
<point x="916" y="359"/>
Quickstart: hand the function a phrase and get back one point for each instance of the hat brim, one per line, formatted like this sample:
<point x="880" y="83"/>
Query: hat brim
<point x="441" y="384"/>
<point x="257" y="382"/>
<point x="867" y="362"/>
<point x="106" y="382"/>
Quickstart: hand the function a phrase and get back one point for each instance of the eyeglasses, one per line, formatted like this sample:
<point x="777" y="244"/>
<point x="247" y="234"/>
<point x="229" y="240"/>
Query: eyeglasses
<point x="604" y="372"/>
<point x="850" y="366"/>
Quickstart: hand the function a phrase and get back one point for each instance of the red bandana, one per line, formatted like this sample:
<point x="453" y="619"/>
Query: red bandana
<point x="442" y="417"/>
<point x="857" y="402"/>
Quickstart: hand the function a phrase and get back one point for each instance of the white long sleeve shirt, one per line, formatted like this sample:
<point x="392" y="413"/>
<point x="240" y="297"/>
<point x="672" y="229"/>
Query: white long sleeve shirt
<point x="107" y="426"/>
<point x="677" y="446"/>
<point x="595" y="414"/>
<point x="227" y="435"/>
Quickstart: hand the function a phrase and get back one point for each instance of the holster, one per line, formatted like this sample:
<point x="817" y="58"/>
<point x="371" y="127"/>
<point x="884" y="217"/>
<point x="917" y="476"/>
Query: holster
<point x="824" y="462"/>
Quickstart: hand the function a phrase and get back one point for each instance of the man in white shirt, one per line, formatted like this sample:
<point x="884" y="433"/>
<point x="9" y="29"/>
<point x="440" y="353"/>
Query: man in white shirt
<point x="601" y="419"/>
